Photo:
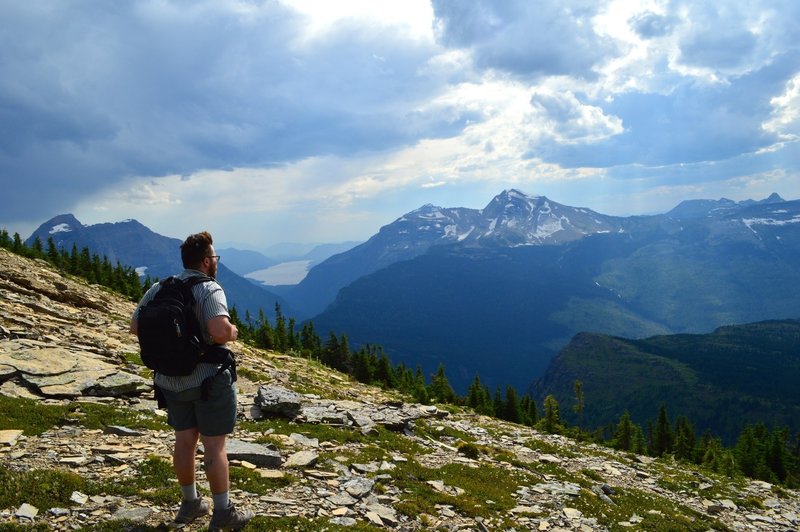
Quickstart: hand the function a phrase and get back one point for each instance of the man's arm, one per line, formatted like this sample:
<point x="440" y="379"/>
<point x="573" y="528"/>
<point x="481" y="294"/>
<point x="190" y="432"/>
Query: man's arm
<point x="221" y="329"/>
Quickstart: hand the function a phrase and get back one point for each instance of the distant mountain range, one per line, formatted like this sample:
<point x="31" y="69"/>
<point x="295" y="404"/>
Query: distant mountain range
<point x="721" y="381"/>
<point x="133" y="244"/>
<point x="499" y="291"/>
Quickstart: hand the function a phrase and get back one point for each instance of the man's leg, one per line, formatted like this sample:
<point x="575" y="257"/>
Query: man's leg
<point x="215" y="463"/>
<point x="185" y="452"/>
<point x="192" y="506"/>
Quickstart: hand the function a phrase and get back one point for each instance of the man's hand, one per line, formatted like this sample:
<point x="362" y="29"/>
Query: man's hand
<point x="222" y="330"/>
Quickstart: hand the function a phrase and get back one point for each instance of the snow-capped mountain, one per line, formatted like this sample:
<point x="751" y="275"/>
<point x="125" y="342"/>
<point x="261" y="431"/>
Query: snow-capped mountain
<point x="511" y="219"/>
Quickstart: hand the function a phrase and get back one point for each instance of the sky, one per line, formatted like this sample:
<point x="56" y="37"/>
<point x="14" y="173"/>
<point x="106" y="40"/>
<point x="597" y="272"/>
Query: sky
<point x="319" y="121"/>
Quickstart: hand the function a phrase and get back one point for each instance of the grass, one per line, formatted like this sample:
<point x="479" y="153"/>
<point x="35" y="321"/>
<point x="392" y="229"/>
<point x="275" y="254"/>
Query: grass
<point x="152" y="480"/>
<point x="659" y="514"/>
<point x="35" y="418"/>
<point x="481" y="485"/>
<point x="303" y="524"/>
<point x="251" y="481"/>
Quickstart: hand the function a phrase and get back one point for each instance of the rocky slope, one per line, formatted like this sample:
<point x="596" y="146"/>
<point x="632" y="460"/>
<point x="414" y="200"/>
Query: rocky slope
<point x="313" y="450"/>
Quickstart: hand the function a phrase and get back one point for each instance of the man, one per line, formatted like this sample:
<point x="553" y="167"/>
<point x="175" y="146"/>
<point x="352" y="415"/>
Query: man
<point x="193" y="417"/>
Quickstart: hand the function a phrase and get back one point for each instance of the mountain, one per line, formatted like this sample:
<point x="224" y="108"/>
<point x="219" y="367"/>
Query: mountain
<point x="158" y="256"/>
<point x="721" y="381"/>
<point x="511" y="219"/>
<point x="499" y="295"/>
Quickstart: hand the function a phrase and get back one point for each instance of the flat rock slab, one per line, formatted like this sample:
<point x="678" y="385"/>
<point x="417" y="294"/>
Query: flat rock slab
<point x="43" y="361"/>
<point x="254" y="453"/>
<point x="9" y="437"/>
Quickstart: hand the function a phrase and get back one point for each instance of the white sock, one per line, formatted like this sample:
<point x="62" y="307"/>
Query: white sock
<point x="189" y="492"/>
<point x="221" y="500"/>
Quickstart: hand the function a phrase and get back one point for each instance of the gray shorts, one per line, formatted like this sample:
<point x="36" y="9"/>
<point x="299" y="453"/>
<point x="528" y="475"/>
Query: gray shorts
<point x="215" y="416"/>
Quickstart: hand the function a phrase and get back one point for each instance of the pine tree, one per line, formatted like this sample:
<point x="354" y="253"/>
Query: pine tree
<point x="384" y="373"/>
<point x="440" y="389"/>
<point x="662" y="437"/>
<point x="579" y="403"/>
<point x="551" y="420"/>
<point x="421" y="394"/>
<point x="512" y="411"/>
<point x="684" y="439"/>
<point x="624" y="435"/>
<point x="5" y="239"/>
<point x="53" y="256"/>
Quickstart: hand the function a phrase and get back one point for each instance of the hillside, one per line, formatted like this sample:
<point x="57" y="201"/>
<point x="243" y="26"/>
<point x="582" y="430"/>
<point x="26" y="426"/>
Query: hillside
<point x="82" y="446"/>
<point x="722" y="381"/>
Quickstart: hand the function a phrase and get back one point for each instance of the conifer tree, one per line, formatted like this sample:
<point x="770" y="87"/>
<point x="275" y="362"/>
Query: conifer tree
<point x="53" y="255"/>
<point x="685" y="437"/>
<point x="662" y="437"/>
<point x="420" y="388"/>
<point x="5" y="239"/>
<point x="17" y="246"/>
<point x="440" y="389"/>
<point x="579" y="403"/>
<point x="512" y="408"/>
<point x="37" y="248"/>
<point x="624" y="434"/>
<point x="551" y="418"/>
<point x="384" y="373"/>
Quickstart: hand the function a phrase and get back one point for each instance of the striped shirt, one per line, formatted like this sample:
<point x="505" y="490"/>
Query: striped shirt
<point x="210" y="303"/>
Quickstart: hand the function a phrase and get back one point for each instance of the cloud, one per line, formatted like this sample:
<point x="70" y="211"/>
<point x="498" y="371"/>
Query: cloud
<point x="649" y="25"/>
<point x="524" y="38"/>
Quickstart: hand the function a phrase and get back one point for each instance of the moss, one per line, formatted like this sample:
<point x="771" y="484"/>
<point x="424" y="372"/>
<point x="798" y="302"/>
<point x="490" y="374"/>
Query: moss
<point x="657" y="513"/>
<point x="99" y="416"/>
<point x="302" y="524"/>
<point x="43" y="488"/>
<point x="253" y="482"/>
<point x="29" y="415"/>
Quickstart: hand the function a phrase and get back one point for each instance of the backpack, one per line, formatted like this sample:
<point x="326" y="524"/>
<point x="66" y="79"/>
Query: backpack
<point x="170" y="336"/>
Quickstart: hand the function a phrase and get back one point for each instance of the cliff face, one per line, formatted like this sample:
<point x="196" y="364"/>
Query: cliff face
<point x="311" y="449"/>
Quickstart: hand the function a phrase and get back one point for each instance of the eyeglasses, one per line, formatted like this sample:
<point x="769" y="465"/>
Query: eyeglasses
<point x="213" y="257"/>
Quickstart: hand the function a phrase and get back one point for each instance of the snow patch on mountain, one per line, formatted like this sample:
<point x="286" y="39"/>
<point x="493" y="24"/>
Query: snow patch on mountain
<point x="60" y="228"/>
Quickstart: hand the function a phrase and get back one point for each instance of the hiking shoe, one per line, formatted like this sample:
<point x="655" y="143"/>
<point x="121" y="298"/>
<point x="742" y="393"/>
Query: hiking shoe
<point x="191" y="510"/>
<point x="229" y="519"/>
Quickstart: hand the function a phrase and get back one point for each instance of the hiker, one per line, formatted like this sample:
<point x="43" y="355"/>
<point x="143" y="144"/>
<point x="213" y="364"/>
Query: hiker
<point x="189" y="413"/>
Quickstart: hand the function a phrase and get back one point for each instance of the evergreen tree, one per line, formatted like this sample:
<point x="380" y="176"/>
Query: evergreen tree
<point x="279" y="334"/>
<point x="440" y="389"/>
<point x="512" y="408"/>
<point x="579" y="403"/>
<point x="684" y="439"/>
<point x="5" y="239"/>
<point x="420" y="388"/>
<point x="662" y="437"/>
<point x="53" y="256"/>
<point x="361" y="369"/>
<point x="17" y="246"/>
<point x="625" y="433"/>
<point x="384" y="374"/>
<point x="37" y="249"/>
<point x="551" y="420"/>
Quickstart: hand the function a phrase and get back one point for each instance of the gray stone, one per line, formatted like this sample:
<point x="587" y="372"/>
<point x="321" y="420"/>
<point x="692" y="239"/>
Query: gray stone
<point x="304" y="440"/>
<point x="123" y="431"/>
<point x="138" y="515"/>
<point x="342" y="499"/>
<point x="343" y="521"/>
<point x="26" y="511"/>
<point x="254" y="453"/>
<point x="358" y="487"/>
<point x="302" y="459"/>
<point x="276" y="400"/>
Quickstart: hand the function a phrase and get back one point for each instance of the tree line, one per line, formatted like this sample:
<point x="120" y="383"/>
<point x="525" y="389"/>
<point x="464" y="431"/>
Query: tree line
<point x="80" y="263"/>
<point x="760" y="453"/>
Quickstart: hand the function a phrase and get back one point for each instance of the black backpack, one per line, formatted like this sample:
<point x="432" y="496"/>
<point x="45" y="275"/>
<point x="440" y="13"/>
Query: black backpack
<point x="170" y="337"/>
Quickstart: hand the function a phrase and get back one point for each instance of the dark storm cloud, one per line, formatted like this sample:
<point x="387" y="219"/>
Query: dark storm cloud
<point x="92" y="92"/>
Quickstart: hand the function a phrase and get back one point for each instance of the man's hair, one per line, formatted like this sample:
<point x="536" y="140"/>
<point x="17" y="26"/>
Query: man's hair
<point x="195" y="248"/>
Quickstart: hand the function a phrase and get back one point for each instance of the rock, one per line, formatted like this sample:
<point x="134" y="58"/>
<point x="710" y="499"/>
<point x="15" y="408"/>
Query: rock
<point x="255" y="453"/>
<point x="302" y="459"/>
<point x="138" y="515"/>
<point x="278" y="401"/>
<point x="78" y="498"/>
<point x="123" y="431"/>
<point x="304" y="440"/>
<point x="343" y="521"/>
<point x="26" y="511"/>
<point x="572" y="513"/>
<point x="358" y="487"/>
<point x="8" y="438"/>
